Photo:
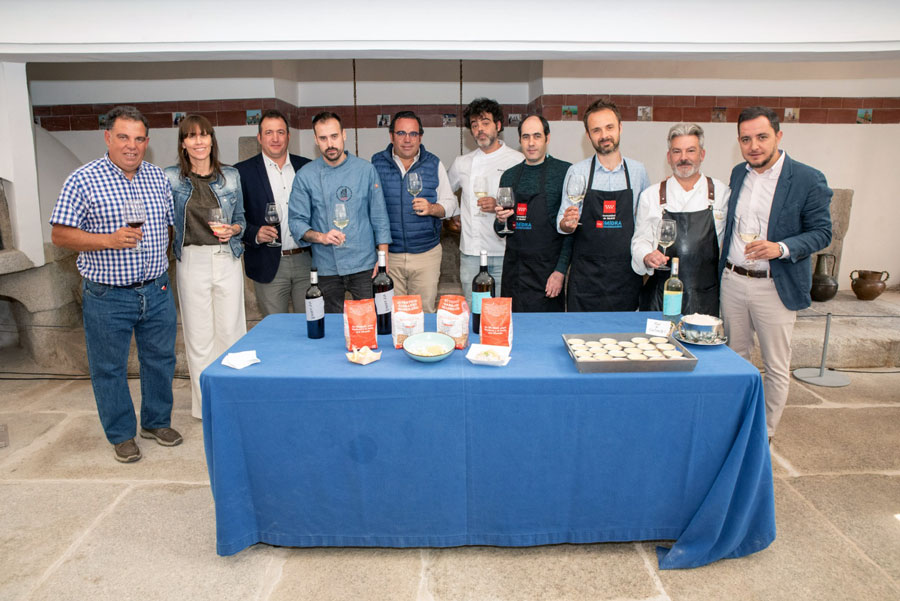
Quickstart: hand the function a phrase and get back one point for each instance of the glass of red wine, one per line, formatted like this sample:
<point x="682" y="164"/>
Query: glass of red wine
<point x="135" y="217"/>
<point x="273" y="219"/>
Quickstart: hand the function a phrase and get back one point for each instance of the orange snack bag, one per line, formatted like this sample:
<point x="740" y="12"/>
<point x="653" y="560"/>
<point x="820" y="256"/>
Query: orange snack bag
<point x="453" y="318"/>
<point x="407" y="318"/>
<point x="359" y="324"/>
<point x="496" y="321"/>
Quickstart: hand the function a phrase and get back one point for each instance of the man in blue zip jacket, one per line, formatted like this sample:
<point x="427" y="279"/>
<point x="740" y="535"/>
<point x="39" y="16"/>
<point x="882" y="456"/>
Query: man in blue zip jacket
<point x="414" y="256"/>
<point x="343" y="249"/>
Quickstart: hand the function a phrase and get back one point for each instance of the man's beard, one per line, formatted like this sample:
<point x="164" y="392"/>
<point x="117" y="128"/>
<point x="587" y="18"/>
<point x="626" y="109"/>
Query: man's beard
<point x="485" y="142"/>
<point x="763" y="162"/>
<point x="694" y="169"/>
<point x="601" y="150"/>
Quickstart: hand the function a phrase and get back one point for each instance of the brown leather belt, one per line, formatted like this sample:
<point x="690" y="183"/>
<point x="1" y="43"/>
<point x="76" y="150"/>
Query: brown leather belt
<point x="747" y="272"/>
<point x="293" y="251"/>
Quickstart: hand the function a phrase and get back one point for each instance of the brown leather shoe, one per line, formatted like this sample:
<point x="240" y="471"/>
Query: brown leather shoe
<point x="127" y="452"/>
<point x="167" y="437"/>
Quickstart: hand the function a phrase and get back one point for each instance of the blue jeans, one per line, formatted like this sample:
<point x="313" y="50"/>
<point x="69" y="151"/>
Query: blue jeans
<point x="469" y="265"/>
<point x="111" y="314"/>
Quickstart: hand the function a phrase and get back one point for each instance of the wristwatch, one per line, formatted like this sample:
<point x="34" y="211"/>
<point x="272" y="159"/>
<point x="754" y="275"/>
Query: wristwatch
<point x="783" y="248"/>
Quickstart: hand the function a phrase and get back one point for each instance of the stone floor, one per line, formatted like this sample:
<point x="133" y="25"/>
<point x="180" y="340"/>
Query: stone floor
<point x="75" y="524"/>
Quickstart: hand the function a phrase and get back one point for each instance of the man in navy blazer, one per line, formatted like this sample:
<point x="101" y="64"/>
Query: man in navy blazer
<point x="280" y="273"/>
<point x="778" y="215"/>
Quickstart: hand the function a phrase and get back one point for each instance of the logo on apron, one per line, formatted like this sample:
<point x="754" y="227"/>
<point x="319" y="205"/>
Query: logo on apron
<point x="609" y="209"/>
<point x="603" y="224"/>
<point x="522" y="211"/>
<point x="344" y="193"/>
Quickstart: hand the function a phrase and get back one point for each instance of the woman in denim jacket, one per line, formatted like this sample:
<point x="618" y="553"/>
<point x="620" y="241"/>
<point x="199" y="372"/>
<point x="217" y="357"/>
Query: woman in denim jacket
<point x="209" y="276"/>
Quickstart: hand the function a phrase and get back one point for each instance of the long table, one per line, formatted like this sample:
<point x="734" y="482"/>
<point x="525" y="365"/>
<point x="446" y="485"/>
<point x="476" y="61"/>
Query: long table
<point x="308" y="449"/>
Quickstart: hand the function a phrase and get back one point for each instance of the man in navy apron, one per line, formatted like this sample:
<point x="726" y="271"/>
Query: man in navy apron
<point x="697" y="204"/>
<point x="537" y="256"/>
<point x="600" y="276"/>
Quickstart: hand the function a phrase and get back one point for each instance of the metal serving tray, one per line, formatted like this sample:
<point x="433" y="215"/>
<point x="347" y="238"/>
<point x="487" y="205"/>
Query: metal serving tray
<point x="687" y="362"/>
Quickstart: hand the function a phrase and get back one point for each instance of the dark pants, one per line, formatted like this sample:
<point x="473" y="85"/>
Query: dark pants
<point x="335" y="287"/>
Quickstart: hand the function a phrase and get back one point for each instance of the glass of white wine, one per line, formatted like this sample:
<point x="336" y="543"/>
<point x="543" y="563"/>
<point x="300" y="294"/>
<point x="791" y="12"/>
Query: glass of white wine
<point x="575" y="190"/>
<point x="748" y="231"/>
<point x="340" y="217"/>
<point x="665" y="235"/>
<point x="414" y="184"/>
<point x="480" y="188"/>
<point x="219" y="227"/>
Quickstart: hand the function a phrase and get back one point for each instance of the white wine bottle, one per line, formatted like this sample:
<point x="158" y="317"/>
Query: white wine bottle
<point x="673" y="293"/>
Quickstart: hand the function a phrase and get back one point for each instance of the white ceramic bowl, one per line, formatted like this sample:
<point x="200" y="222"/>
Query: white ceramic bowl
<point x="429" y="347"/>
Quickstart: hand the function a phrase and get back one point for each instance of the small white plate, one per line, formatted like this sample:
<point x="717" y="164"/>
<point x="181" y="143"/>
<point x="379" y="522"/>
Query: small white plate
<point x="501" y="352"/>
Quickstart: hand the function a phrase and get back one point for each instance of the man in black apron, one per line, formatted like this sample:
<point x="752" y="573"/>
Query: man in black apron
<point x="537" y="256"/>
<point x="697" y="205"/>
<point x="600" y="276"/>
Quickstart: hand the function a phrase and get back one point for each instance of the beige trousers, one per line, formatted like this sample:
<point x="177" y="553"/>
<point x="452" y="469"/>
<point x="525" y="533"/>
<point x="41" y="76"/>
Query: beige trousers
<point x="211" y="299"/>
<point x="752" y="305"/>
<point x="417" y="274"/>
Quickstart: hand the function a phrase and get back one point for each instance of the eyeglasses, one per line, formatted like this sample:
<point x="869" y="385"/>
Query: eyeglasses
<point x="411" y="134"/>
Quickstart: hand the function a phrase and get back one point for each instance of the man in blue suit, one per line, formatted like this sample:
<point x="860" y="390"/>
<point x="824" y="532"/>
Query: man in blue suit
<point x="778" y="215"/>
<point x="279" y="273"/>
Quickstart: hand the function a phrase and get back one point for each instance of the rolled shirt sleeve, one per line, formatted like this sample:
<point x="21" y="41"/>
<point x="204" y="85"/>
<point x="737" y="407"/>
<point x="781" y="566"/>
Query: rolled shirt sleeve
<point x="445" y="196"/>
<point x="378" y="217"/>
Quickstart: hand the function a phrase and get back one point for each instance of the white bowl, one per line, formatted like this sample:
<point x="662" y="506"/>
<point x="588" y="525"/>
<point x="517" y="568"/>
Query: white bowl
<point x="424" y="346"/>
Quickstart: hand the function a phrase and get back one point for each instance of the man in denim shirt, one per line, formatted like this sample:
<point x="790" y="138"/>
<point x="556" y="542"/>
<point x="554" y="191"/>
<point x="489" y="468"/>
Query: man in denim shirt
<point x="345" y="257"/>
<point x="125" y="289"/>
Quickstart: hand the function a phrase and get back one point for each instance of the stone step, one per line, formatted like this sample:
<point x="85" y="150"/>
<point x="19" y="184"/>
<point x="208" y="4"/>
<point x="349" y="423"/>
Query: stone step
<point x="863" y="333"/>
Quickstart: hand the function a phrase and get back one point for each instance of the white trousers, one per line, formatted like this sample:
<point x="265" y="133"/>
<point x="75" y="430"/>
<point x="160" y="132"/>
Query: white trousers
<point x="211" y="298"/>
<point x="753" y="305"/>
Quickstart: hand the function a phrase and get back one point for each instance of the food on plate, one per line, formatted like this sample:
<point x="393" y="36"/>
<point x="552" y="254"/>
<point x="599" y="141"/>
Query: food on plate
<point x="639" y="340"/>
<point x="659" y="340"/>
<point x="666" y="346"/>
<point x="626" y="344"/>
<point x="617" y="354"/>
<point x="673" y="354"/>
<point x="608" y="340"/>
<point x="646" y="346"/>
<point x="363" y="356"/>
<point x="575" y="341"/>
<point x="636" y="357"/>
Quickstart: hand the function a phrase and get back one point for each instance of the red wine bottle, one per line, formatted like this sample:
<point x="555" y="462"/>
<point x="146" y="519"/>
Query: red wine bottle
<point x="315" y="307"/>
<point x="383" y="289"/>
<point x="482" y="287"/>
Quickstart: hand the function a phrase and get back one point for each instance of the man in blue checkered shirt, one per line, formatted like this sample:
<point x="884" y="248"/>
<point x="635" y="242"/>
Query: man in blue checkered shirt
<point x="123" y="259"/>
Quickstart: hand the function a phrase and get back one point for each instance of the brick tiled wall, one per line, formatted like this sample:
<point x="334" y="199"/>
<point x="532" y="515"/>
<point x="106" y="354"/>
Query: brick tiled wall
<point x="701" y="109"/>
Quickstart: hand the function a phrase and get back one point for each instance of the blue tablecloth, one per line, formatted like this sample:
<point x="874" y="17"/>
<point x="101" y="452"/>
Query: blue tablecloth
<point x="307" y="449"/>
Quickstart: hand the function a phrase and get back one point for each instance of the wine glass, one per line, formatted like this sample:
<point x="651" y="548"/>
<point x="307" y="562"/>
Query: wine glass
<point x="135" y="217"/>
<point x="340" y="217"/>
<point x="665" y="235"/>
<point x="480" y="188"/>
<point x="507" y="200"/>
<point x="748" y="231"/>
<point x="216" y="220"/>
<point x="414" y="184"/>
<point x="273" y="219"/>
<point x="575" y="190"/>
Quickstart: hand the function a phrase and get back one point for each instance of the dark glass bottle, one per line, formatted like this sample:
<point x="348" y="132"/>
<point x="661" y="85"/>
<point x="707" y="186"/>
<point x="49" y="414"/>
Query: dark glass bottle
<point x="383" y="290"/>
<point x="315" y="307"/>
<point x="482" y="287"/>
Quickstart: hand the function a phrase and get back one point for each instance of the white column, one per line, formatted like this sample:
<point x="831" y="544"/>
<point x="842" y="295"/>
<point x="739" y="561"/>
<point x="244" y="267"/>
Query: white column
<point x="18" y="165"/>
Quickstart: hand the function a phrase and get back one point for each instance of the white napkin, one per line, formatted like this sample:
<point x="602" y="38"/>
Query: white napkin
<point x="240" y="360"/>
